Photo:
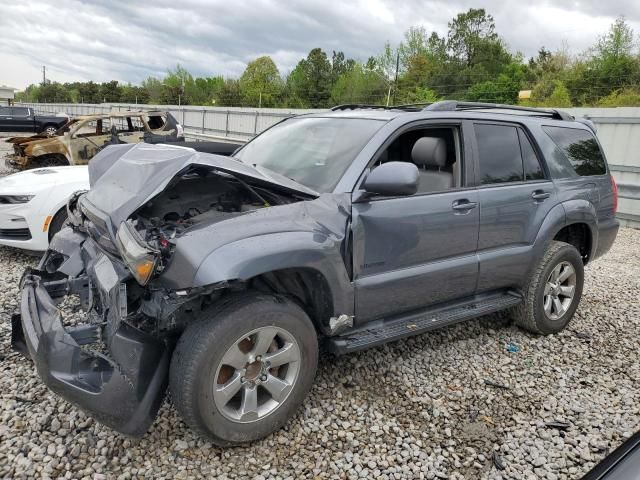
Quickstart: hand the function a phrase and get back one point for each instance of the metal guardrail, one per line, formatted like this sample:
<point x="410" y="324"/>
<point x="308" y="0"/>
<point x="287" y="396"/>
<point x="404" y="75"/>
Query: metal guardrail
<point x="215" y="123"/>
<point x="618" y="131"/>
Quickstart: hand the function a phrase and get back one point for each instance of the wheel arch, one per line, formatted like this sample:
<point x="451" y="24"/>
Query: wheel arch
<point x="581" y="226"/>
<point x="304" y="265"/>
<point x="580" y="235"/>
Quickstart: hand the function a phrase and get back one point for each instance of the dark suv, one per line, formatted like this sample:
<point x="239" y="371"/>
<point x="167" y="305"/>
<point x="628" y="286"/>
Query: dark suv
<point x="221" y="276"/>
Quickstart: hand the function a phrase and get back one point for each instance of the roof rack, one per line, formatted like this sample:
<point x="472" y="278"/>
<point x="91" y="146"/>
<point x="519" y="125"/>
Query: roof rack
<point x="411" y="107"/>
<point x="454" y="105"/>
<point x="355" y="106"/>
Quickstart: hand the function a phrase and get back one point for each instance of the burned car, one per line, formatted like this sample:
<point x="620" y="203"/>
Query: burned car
<point x="81" y="138"/>
<point x="221" y="276"/>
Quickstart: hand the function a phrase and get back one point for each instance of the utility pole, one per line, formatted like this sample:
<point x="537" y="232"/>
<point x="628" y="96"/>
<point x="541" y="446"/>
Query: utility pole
<point x="44" y="76"/>
<point x="395" y="89"/>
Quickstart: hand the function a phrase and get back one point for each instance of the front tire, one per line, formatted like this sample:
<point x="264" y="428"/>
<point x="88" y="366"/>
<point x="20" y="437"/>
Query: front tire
<point x="243" y="369"/>
<point x="554" y="291"/>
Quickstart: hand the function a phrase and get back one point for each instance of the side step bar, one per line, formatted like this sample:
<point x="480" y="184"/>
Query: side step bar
<point x="416" y="323"/>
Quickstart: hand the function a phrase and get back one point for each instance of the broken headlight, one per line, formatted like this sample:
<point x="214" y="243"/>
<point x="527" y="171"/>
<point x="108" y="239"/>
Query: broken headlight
<point x="140" y="258"/>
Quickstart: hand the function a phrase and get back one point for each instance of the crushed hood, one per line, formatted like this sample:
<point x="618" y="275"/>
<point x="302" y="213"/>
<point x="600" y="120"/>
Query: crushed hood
<point x="125" y="177"/>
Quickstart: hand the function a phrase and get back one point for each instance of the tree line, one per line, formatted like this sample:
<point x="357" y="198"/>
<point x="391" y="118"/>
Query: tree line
<point x="471" y="62"/>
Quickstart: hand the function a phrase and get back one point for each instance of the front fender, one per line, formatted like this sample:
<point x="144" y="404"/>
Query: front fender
<point x="253" y="256"/>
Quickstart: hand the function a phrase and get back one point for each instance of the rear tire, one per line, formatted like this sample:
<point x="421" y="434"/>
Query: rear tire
<point x="554" y="291"/>
<point x="49" y="130"/>
<point x="243" y="402"/>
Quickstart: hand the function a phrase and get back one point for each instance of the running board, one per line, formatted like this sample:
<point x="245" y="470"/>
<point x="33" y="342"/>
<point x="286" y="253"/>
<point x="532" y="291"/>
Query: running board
<point x="415" y="323"/>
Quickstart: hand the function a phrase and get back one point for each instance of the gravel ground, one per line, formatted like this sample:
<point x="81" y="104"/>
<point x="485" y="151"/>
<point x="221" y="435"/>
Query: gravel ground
<point x="476" y="400"/>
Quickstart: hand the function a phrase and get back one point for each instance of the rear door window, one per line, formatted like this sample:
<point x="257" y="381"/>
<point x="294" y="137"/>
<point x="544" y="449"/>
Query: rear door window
<point x="20" y="112"/>
<point x="499" y="151"/>
<point x="530" y="161"/>
<point x="579" y="149"/>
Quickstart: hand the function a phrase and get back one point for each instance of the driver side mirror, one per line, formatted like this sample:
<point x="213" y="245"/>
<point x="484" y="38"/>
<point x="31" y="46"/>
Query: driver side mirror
<point x="392" y="179"/>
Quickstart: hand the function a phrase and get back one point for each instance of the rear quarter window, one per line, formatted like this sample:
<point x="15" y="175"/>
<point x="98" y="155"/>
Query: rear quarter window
<point x="577" y="151"/>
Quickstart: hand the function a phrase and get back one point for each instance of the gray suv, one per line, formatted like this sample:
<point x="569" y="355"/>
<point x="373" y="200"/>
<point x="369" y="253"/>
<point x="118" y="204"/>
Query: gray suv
<point x="220" y="277"/>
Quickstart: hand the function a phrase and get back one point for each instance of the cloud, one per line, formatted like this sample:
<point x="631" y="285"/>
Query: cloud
<point x="128" y="41"/>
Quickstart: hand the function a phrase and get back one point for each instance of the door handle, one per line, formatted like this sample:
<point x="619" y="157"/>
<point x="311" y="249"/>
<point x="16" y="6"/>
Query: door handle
<point x="540" y="195"/>
<point x="463" y="205"/>
<point x="8" y="118"/>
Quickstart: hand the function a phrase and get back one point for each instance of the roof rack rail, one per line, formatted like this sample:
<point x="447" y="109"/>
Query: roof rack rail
<point x="354" y="106"/>
<point x="454" y="105"/>
<point x="413" y="107"/>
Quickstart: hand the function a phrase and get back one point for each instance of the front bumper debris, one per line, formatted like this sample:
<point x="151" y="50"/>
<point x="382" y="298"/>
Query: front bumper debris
<point x="122" y="390"/>
<point x="19" y="161"/>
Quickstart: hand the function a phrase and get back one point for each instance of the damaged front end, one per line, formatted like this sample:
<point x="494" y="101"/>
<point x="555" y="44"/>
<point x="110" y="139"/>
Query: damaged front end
<point x="37" y="150"/>
<point x="106" y="366"/>
<point x="124" y="234"/>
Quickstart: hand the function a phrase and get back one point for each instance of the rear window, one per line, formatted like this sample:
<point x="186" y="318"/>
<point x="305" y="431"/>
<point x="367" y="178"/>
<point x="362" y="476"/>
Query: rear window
<point x="579" y="148"/>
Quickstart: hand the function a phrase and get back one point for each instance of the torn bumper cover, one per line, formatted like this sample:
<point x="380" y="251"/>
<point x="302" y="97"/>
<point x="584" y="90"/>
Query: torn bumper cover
<point x="123" y="390"/>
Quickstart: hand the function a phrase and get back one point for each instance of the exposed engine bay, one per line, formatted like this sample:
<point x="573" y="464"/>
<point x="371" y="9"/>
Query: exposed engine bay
<point x="199" y="195"/>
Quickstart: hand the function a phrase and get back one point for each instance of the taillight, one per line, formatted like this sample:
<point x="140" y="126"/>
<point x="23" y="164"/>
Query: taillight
<point x="614" y="189"/>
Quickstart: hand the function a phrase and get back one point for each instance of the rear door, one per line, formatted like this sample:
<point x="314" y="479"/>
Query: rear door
<point x="22" y="119"/>
<point x="129" y="129"/>
<point x="88" y="139"/>
<point x="6" y="119"/>
<point x="515" y="195"/>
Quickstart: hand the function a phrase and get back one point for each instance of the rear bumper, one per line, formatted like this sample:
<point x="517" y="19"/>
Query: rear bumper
<point x="607" y="232"/>
<point x="122" y="390"/>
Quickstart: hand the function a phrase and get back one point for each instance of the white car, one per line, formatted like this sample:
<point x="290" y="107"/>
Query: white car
<point x="33" y="204"/>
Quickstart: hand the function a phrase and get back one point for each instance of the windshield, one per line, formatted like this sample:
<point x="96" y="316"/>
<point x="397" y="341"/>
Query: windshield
<point x="312" y="151"/>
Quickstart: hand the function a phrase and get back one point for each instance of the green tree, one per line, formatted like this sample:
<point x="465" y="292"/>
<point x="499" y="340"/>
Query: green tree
<point x="340" y="65"/>
<point x="133" y="94"/>
<point x="610" y="65"/>
<point x="413" y="46"/>
<point x="472" y="38"/>
<point x="418" y="95"/>
<point x="550" y="93"/>
<point x="110" y="92"/>
<point x="52" y="92"/>
<point x="624" y="97"/>
<point x="153" y="87"/>
<point x="359" y="85"/>
<point x="230" y="94"/>
<point x="310" y="80"/>
<point x="174" y="86"/>
<point x="203" y="91"/>
<point x="260" y="83"/>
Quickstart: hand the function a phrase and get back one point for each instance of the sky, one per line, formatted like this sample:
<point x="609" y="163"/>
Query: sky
<point x="131" y="40"/>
